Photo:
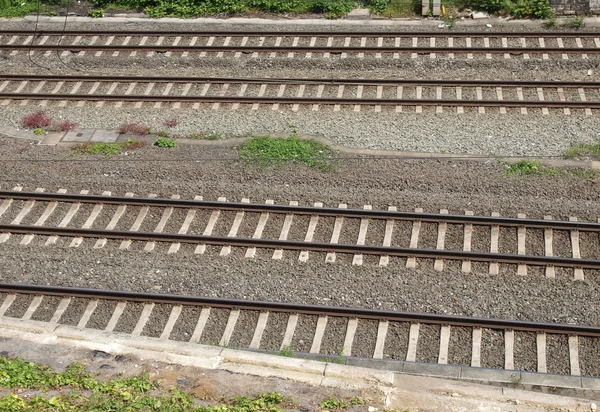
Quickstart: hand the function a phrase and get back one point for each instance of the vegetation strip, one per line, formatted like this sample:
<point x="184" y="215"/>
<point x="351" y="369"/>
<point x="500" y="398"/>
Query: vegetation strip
<point x="76" y="389"/>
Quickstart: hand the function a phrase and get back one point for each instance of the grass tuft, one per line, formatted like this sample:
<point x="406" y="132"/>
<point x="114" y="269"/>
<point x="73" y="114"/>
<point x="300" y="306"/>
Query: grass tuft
<point x="583" y="150"/>
<point x="268" y="151"/>
<point x="535" y="168"/>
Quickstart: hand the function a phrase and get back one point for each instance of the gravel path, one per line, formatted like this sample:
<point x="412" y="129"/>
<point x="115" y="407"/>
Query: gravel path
<point x="365" y="338"/>
<point x="186" y="323"/>
<point x="460" y="346"/>
<point x="396" y="341"/>
<point x="274" y="332"/>
<point x="335" y="332"/>
<point x="304" y="333"/>
<point x="489" y="134"/>
<point x="157" y="321"/>
<point x="589" y="353"/>
<point x="557" y="354"/>
<point x="46" y="310"/>
<point x="102" y="315"/>
<point x="244" y="329"/>
<point x="428" y="347"/>
<point x="525" y="355"/>
<point x="492" y="349"/>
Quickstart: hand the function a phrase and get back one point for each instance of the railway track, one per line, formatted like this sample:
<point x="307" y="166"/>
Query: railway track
<point x="340" y="332"/>
<point x="281" y="229"/>
<point x="353" y="93"/>
<point x="393" y="45"/>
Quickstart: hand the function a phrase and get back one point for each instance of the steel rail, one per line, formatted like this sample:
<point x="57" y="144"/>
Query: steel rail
<point x="300" y="245"/>
<point x="319" y="310"/>
<point x="344" y="81"/>
<point x="304" y="210"/>
<point x="156" y="33"/>
<point x="304" y="100"/>
<point x="75" y="48"/>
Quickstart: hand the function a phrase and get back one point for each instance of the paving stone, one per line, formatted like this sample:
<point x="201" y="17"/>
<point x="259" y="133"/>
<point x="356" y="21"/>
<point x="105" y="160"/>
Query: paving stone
<point x="82" y="135"/>
<point x="105" y="136"/>
<point x="51" y="138"/>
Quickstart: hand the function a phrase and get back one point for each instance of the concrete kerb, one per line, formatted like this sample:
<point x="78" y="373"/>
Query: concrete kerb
<point x="375" y="21"/>
<point x="267" y="365"/>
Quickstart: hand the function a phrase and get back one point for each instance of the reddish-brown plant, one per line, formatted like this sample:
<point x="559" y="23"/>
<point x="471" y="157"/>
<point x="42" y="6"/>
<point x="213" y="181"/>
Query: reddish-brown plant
<point x="171" y="122"/>
<point x="134" y="128"/>
<point x="66" y="126"/>
<point x="37" y="120"/>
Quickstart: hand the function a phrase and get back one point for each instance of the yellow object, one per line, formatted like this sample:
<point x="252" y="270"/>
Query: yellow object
<point x="443" y="10"/>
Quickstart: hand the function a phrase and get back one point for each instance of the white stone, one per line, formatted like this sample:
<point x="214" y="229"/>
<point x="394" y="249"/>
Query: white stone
<point x="489" y="26"/>
<point x="373" y="409"/>
<point x="479" y="15"/>
<point x="593" y="406"/>
<point x="589" y="72"/>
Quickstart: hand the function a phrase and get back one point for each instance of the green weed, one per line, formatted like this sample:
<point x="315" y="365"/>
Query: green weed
<point x="108" y="149"/>
<point x="576" y="23"/>
<point x="39" y="131"/>
<point x="334" y="403"/>
<point x="583" y="150"/>
<point x="551" y="23"/>
<point x="75" y="389"/>
<point x="164" y="142"/>
<point x="96" y="14"/>
<point x="267" y="151"/>
<point x="535" y="168"/>
<point x="213" y="135"/>
<point x="287" y="352"/>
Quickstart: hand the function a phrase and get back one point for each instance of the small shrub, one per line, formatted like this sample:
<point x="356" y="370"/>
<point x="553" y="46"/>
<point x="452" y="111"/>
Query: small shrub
<point x="171" y="123"/>
<point x="213" y="135"/>
<point x="162" y="133"/>
<point x="134" y="128"/>
<point x="96" y="14"/>
<point x="551" y="23"/>
<point x="164" y="142"/>
<point x="196" y="136"/>
<point x="577" y="23"/>
<point x="37" y="120"/>
<point x="66" y="126"/>
<point x="39" y="131"/>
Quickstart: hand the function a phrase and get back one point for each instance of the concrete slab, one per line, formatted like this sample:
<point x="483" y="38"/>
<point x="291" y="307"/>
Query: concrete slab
<point x="590" y="383"/>
<point x="395" y="366"/>
<point x="359" y="14"/>
<point x="490" y="375"/>
<point x="105" y="136"/>
<point x="80" y="136"/>
<point x="432" y="369"/>
<point x="375" y="377"/>
<point x="51" y="139"/>
<point x="544" y="379"/>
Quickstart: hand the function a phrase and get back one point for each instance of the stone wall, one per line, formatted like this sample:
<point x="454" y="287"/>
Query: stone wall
<point x="572" y="7"/>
